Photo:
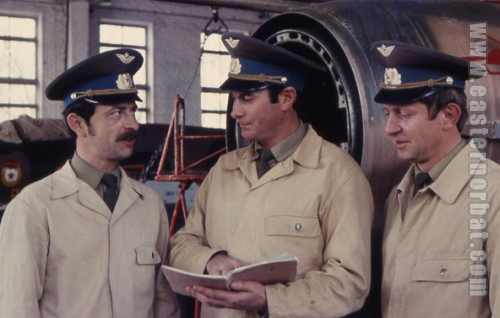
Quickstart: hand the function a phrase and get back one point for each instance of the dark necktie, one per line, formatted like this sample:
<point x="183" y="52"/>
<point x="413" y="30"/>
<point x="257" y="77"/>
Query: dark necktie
<point x="421" y="179"/>
<point x="264" y="156"/>
<point x="111" y="193"/>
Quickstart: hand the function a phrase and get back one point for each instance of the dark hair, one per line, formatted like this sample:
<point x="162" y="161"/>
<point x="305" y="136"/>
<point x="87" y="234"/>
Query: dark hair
<point x="275" y="90"/>
<point x="82" y="108"/>
<point x="438" y="100"/>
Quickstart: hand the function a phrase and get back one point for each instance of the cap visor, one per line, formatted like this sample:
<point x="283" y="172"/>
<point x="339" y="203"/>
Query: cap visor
<point x="232" y="84"/>
<point x="401" y="97"/>
<point x="114" y="99"/>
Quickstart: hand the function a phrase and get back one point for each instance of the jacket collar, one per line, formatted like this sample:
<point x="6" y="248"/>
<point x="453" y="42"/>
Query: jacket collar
<point x="66" y="183"/>
<point x="454" y="177"/>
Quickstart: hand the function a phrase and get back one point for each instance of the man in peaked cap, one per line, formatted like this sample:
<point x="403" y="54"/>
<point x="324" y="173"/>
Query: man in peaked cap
<point x="434" y="237"/>
<point x="308" y="198"/>
<point x="88" y="241"/>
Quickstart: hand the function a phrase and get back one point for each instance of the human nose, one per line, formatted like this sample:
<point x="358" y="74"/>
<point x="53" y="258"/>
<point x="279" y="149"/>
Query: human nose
<point x="237" y="111"/>
<point x="392" y="124"/>
<point x="131" y="121"/>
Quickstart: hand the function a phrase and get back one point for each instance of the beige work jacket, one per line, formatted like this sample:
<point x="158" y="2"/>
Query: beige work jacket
<point x="441" y="249"/>
<point x="315" y="205"/>
<point x="64" y="254"/>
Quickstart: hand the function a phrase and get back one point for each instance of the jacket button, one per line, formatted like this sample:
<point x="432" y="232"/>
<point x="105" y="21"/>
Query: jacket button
<point x="298" y="226"/>
<point x="443" y="271"/>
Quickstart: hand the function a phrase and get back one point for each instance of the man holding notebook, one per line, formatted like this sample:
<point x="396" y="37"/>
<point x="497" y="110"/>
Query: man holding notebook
<point x="288" y="191"/>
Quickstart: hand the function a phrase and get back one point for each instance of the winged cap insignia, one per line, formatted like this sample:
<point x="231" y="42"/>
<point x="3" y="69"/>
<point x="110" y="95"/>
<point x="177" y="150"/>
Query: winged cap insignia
<point x="385" y="50"/>
<point x="232" y="42"/>
<point x="125" y="58"/>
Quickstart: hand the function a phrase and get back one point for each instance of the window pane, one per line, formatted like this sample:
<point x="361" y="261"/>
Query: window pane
<point x="17" y="59"/>
<point x="22" y="94"/>
<point x="4" y="26"/>
<point x="214" y="101"/>
<point x="213" y="120"/>
<point x="141" y="116"/>
<point x="23" y="28"/>
<point x="134" y="36"/>
<point x="18" y="27"/>
<point x="17" y="94"/>
<point x="4" y="58"/>
<point x="23" y="60"/>
<point x="110" y="33"/>
<point x="8" y="113"/>
<point x="214" y="69"/>
<point x="213" y="43"/>
<point x="4" y="94"/>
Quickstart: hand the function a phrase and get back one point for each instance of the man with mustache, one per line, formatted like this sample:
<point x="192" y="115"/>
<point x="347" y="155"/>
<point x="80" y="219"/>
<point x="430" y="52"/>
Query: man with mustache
<point x="288" y="191"/>
<point x="440" y="251"/>
<point x="88" y="241"/>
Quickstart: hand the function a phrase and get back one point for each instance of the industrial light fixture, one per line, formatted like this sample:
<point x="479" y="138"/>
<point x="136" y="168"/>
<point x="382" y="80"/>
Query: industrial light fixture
<point x="102" y="3"/>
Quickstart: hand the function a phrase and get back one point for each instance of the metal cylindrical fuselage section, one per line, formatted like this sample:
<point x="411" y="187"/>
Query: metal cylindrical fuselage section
<point x="340" y="106"/>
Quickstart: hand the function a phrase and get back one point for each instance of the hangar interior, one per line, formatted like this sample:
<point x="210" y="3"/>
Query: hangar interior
<point x="184" y="56"/>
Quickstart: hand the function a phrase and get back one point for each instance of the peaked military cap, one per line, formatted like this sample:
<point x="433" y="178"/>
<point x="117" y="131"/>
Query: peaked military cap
<point x="103" y="78"/>
<point x="413" y="73"/>
<point x="256" y="65"/>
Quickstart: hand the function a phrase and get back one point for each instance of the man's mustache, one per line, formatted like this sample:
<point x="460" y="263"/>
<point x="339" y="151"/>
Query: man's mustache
<point x="128" y="135"/>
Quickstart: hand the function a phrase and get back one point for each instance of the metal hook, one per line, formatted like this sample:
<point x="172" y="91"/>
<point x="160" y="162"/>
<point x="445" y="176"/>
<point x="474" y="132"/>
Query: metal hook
<point x="215" y="19"/>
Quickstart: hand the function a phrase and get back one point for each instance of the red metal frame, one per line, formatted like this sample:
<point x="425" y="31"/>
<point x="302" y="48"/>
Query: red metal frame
<point x="185" y="180"/>
<point x="180" y="176"/>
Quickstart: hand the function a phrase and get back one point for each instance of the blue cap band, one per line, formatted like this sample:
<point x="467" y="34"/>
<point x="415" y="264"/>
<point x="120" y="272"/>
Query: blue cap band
<point x="112" y="84"/>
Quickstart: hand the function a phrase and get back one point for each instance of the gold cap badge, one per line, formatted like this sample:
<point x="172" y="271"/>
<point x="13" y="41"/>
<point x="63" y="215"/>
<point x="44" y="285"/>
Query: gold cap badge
<point x="235" y="66"/>
<point x="124" y="81"/>
<point x="392" y="77"/>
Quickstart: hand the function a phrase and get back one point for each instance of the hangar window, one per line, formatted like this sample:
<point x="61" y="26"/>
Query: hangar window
<point x="213" y="71"/>
<point x="19" y="85"/>
<point x="113" y="36"/>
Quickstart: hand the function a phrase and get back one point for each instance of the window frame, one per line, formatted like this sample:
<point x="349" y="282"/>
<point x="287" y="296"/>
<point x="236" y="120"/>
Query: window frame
<point x="215" y="90"/>
<point x="36" y="82"/>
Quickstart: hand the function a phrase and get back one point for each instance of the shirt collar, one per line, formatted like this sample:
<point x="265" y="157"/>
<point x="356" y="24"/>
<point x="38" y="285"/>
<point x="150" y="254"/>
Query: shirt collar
<point x="457" y="171"/>
<point x="287" y="146"/>
<point x="436" y="171"/>
<point x="88" y="173"/>
<point x="307" y="153"/>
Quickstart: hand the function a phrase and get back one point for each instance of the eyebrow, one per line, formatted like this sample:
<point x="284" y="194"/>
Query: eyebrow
<point x="243" y="94"/>
<point x="122" y="107"/>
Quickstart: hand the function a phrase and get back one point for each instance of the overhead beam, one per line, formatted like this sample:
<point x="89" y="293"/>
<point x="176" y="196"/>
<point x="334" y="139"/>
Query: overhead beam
<point x="257" y="5"/>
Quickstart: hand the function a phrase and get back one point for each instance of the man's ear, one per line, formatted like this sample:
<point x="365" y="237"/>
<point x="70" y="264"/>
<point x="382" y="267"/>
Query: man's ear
<point x="452" y="113"/>
<point x="287" y="97"/>
<point x="77" y="124"/>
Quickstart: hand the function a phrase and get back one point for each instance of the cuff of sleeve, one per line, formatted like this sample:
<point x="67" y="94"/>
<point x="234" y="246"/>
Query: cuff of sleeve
<point x="211" y="256"/>
<point x="199" y="263"/>
<point x="272" y="301"/>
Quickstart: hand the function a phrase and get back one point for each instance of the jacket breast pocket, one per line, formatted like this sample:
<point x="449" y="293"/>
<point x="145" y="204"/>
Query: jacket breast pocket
<point x="289" y="225"/>
<point x="442" y="270"/>
<point x="147" y="255"/>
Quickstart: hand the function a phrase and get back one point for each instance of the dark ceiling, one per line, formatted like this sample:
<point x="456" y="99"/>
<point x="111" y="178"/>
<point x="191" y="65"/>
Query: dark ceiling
<point x="258" y="5"/>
